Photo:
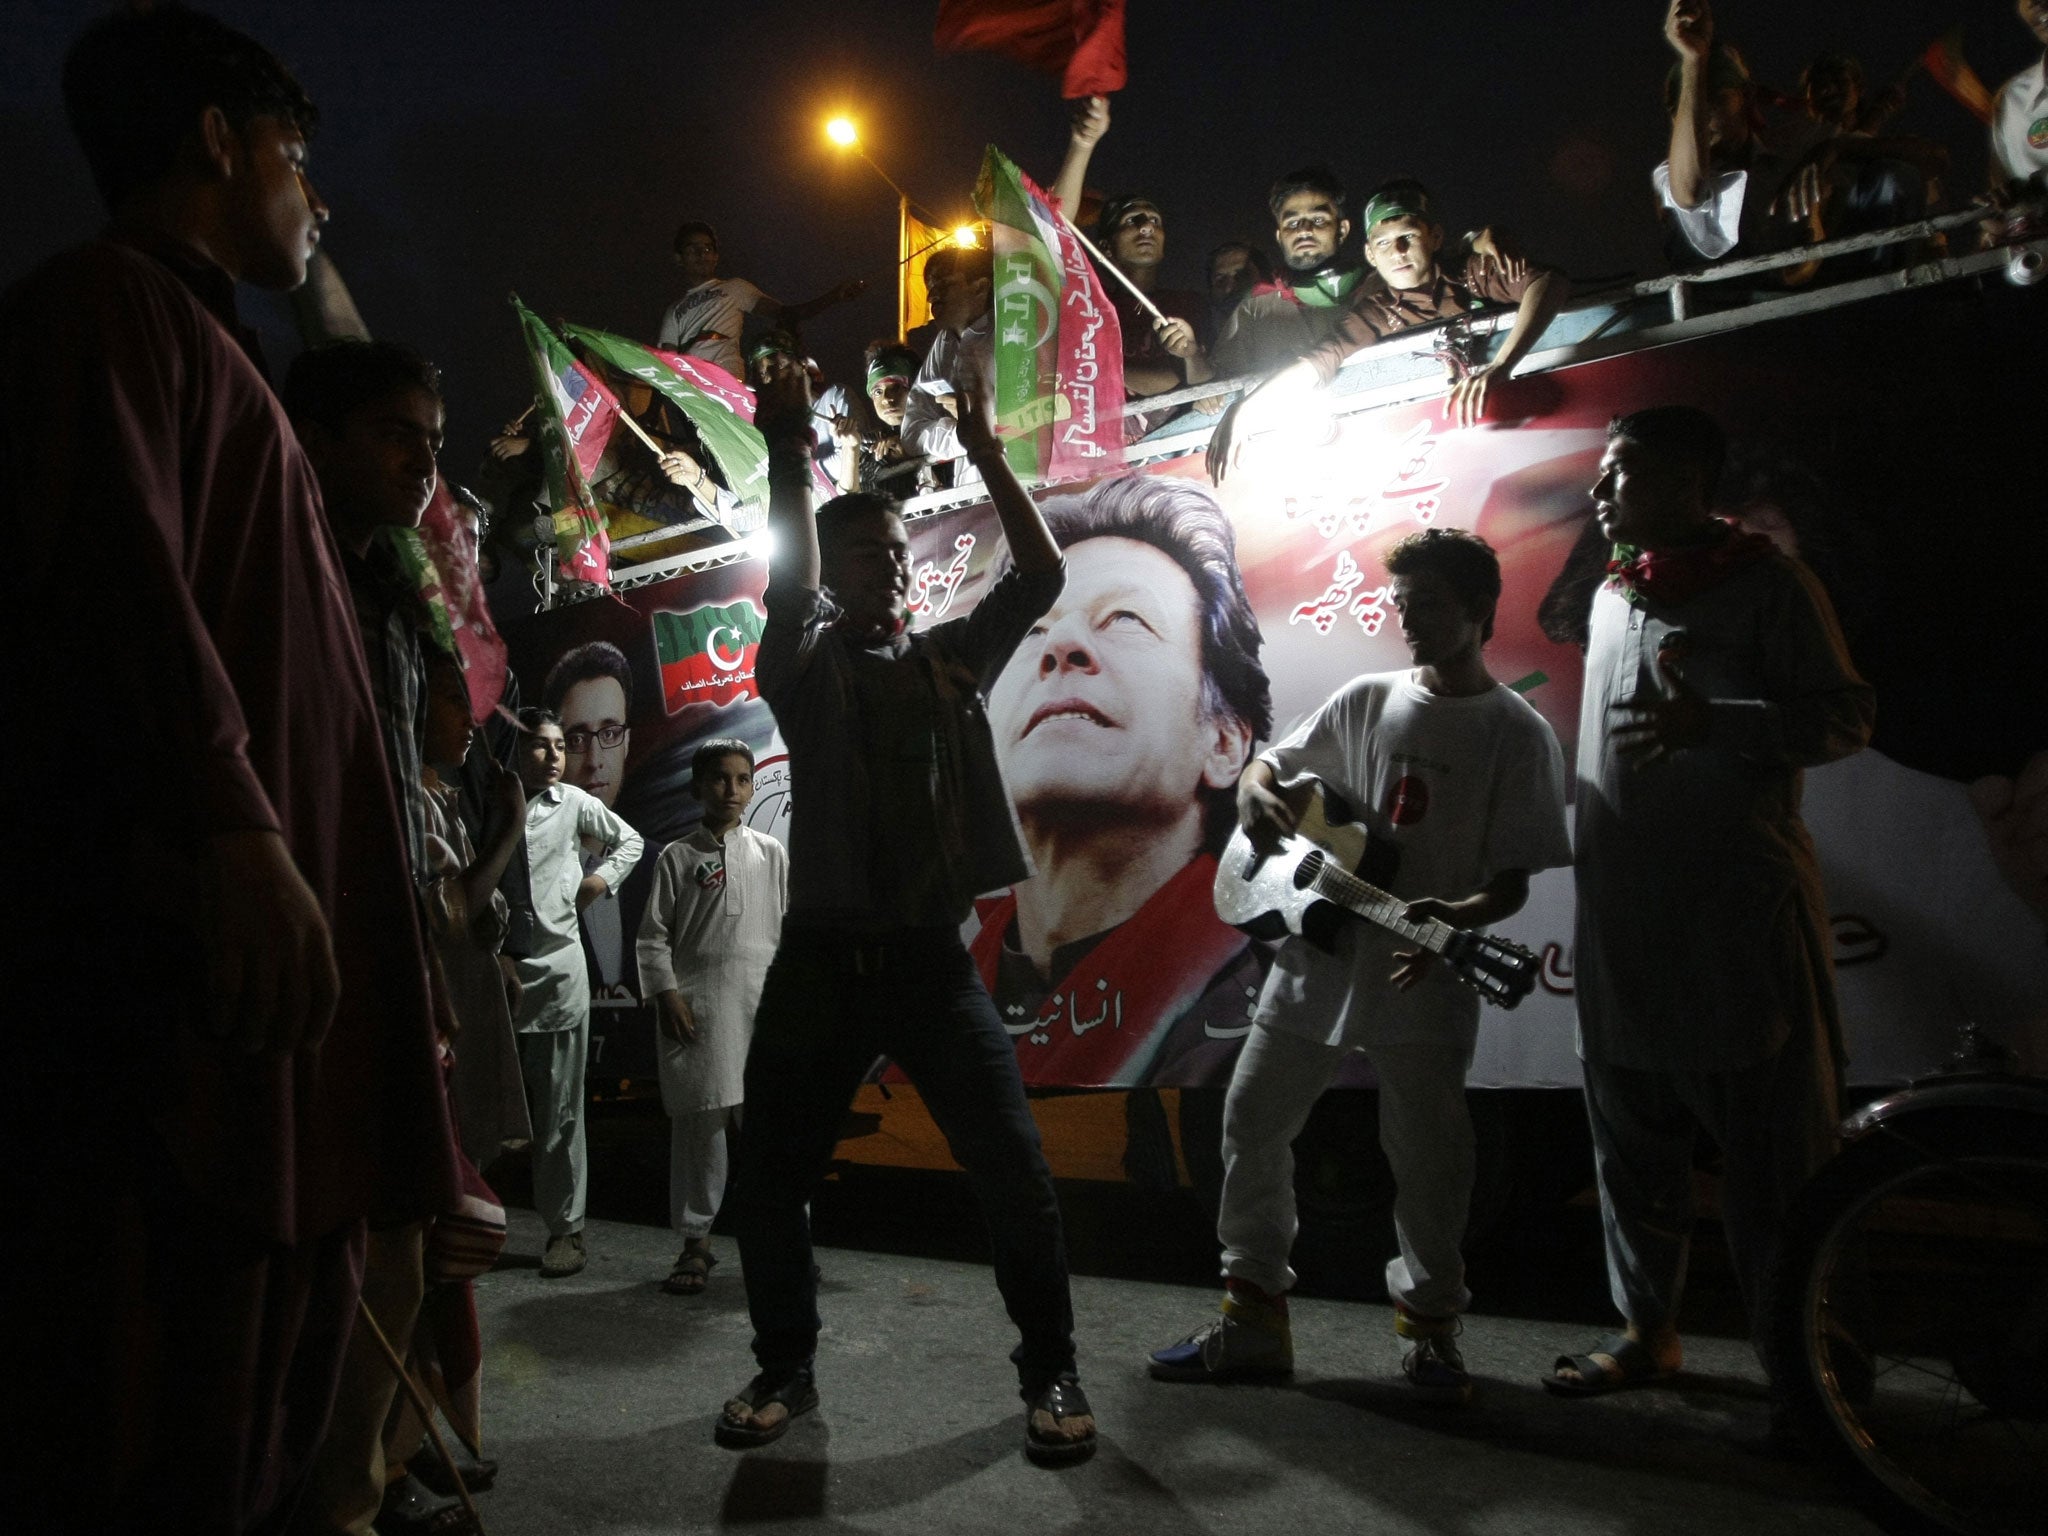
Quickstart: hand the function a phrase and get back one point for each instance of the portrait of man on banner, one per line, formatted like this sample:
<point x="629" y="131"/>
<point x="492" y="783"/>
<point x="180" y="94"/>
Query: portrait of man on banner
<point x="639" y="684"/>
<point x="1122" y="723"/>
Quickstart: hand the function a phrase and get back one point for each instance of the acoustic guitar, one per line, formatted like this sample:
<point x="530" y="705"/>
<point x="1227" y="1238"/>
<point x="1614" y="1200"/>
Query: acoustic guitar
<point x="1316" y="876"/>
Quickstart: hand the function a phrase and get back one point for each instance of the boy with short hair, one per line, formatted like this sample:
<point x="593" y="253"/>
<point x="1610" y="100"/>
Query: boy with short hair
<point x="554" y="979"/>
<point x="1402" y="238"/>
<point x="712" y="923"/>
<point x="1463" y="780"/>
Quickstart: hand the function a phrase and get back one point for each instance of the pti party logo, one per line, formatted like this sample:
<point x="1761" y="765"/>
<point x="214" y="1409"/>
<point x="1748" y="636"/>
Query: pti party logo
<point x="707" y="653"/>
<point x="1407" y="800"/>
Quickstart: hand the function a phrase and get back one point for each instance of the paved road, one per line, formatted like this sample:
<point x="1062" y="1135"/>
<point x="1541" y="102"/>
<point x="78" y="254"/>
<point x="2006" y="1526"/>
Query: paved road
<point x="600" y="1392"/>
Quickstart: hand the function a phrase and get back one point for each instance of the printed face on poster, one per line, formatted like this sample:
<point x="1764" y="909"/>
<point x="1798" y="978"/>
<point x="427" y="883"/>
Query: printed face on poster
<point x="1201" y="622"/>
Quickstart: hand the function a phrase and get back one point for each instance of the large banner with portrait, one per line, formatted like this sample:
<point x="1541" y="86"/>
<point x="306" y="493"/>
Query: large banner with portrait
<point x="1200" y="622"/>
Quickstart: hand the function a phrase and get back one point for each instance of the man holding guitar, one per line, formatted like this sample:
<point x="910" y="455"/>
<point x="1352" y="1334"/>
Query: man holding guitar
<point x="1460" y="785"/>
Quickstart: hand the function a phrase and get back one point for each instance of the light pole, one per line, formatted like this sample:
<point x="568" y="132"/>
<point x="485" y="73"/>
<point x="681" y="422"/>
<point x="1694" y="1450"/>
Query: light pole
<point x="846" y="135"/>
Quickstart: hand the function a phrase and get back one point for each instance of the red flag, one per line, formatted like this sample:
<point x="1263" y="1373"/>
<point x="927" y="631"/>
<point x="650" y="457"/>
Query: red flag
<point x="1081" y="41"/>
<point x="452" y="549"/>
<point x="1944" y="61"/>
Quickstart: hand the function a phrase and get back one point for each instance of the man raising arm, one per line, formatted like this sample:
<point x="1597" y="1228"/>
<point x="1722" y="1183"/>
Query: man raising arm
<point x="901" y="819"/>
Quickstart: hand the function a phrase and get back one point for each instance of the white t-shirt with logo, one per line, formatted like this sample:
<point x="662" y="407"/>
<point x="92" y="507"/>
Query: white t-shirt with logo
<point x="2019" y="126"/>
<point x="1461" y="788"/>
<point x="706" y="322"/>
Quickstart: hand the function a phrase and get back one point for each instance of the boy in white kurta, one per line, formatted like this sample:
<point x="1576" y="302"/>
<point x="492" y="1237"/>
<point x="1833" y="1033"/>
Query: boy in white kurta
<point x="711" y="927"/>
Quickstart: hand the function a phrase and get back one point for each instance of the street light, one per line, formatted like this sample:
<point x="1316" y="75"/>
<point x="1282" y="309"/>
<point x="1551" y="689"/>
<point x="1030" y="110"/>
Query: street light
<point x="842" y="132"/>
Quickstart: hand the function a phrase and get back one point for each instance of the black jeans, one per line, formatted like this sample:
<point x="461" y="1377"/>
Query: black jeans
<point x="833" y="1003"/>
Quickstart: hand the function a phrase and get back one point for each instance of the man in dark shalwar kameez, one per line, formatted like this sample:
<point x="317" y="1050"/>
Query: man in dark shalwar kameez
<point x="222" y="1062"/>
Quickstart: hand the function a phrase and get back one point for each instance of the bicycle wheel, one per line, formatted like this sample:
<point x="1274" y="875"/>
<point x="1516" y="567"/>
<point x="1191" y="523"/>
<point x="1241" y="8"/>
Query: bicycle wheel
<point x="1910" y="1320"/>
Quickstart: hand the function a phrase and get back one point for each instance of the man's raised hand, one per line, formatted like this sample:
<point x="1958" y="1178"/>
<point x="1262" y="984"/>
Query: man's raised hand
<point x="1689" y="29"/>
<point x="1090" y="122"/>
<point x="783" y="397"/>
<point x="977" y="422"/>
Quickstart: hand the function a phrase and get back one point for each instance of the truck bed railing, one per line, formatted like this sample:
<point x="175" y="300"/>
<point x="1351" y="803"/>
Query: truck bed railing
<point x="1657" y="312"/>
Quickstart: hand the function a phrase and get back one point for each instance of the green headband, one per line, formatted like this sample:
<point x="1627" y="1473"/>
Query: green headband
<point x="1392" y="206"/>
<point x="892" y="365"/>
<point x="773" y="343"/>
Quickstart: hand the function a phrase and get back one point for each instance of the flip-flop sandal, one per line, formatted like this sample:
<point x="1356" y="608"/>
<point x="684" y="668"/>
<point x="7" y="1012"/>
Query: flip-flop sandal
<point x="691" y="1274"/>
<point x="797" y="1392"/>
<point x="478" y="1475"/>
<point x="1634" y="1366"/>
<point x="408" y="1508"/>
<point x="1063" y="1398"/>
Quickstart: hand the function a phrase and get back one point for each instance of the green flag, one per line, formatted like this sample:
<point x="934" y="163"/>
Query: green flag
<point x="710" y="397"/>
<point x="576" y="414"/>
<point x="1058" y="347"/>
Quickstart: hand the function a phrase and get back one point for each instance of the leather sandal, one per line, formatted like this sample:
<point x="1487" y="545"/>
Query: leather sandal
<point x="691" y="1273"/>
<point x="1062" y="1398"/>
<point x="1635" y="1365"/>
<point x="796" y="1391"/>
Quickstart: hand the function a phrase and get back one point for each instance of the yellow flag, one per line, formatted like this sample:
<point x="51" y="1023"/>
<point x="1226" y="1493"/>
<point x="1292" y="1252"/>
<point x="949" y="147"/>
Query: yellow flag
<point x="919" y="240"/>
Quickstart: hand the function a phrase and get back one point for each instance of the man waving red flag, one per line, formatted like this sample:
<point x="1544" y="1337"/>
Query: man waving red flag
<point x="1081" y="41"/>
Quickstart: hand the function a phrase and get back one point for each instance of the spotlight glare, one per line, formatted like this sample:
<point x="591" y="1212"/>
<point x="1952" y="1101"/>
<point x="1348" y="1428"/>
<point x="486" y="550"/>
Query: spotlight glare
<point x="841" y="131"/>
<point x="966" y="237"/>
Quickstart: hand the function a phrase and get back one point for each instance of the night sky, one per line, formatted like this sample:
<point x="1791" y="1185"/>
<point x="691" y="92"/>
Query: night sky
<point x="471" y="150"/>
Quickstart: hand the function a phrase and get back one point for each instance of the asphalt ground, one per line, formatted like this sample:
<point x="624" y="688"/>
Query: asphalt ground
<point x="600" y="1390"/>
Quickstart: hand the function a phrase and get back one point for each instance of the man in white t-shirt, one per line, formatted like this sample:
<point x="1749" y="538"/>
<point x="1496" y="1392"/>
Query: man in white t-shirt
<point x="2019" y="117"/>
<point x="707" y="320"/>
<point x="1464" y="783"/>
<point x="961" y="284"/>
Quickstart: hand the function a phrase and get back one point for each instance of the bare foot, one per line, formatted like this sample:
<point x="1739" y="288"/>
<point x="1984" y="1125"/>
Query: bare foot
<point x="765" y="1417"/>
<point x="1077" y="1426"/>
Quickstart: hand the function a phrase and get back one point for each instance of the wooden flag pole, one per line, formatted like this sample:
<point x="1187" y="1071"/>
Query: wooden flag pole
<point x="1109" y="266"/>
<point x="641" y="432"/>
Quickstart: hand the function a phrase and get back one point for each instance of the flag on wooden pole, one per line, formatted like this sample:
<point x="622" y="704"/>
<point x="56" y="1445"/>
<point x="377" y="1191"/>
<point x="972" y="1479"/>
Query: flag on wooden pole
<point x="1059" y="352"/>
<point x="577" y="413"/>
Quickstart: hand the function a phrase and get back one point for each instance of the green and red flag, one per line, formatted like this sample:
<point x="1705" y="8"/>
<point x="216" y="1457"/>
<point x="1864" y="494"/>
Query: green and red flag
<point x="718" y="405"/>
<point x="1951" y="71"/>
<point x="441" y="557"/>
<point x="1059" y="351"/>
<point x="577" y="413"/>
<point x="707" y="653"/>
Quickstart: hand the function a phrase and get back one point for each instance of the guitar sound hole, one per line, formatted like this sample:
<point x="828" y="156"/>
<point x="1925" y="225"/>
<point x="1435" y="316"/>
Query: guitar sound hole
<point x="1306" y="871"/>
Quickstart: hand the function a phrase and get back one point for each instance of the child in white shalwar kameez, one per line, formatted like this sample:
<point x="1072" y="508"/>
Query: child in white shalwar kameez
<point x="711" y="927"/>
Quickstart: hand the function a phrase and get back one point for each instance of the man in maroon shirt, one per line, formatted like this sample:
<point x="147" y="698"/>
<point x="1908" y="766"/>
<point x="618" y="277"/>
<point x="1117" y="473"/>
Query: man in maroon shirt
<point x="224" y="1063"/>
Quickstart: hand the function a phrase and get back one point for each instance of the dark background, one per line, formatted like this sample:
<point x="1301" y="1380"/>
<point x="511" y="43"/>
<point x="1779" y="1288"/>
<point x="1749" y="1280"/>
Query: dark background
<point x="470" y="150"/>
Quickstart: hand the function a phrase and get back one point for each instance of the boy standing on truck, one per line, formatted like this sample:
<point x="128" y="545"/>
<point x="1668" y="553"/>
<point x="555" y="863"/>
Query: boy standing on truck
<point x="1464" y="781"/>
<point x="712" y="922"/>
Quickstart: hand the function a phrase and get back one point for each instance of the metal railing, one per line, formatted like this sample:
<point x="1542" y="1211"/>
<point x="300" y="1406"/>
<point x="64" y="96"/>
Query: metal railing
<point x="1404" y="367"/>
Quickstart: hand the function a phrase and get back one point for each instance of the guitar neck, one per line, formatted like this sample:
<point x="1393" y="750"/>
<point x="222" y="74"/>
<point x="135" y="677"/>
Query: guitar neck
<point x="1376" y="906"/>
